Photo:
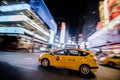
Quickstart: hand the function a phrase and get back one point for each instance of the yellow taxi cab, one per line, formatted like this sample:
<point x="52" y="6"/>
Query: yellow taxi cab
<point x="75" y="59"/>
<point x="112" y="60"/>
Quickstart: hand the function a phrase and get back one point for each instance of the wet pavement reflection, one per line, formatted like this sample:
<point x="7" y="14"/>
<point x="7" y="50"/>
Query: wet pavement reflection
<point x="9" y="72"/>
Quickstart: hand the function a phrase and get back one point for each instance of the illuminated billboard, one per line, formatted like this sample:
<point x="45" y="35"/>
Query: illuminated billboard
<point x="108" y="10"/>
<point x="101" y="15"/>
<point x="62" y="35"/>
<point x="114" y="8"/>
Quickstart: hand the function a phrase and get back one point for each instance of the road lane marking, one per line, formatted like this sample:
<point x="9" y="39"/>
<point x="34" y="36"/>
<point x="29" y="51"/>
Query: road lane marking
<point x="28" y="58"/>
<point x="28" y="68"/>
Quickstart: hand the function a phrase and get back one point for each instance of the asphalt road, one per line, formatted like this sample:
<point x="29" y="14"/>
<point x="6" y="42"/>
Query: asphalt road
<point x="24" y="66"/>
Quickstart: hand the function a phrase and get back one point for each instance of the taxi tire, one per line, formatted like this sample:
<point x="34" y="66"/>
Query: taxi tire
<point x="111" y="64"/>
<point x="84" y="69"/>
<point x="45" y="62"/>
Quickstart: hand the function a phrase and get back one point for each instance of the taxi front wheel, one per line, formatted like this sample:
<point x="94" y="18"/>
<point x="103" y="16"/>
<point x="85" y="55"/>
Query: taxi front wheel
<point x="45" y="62"/>
<point x="84" y="69"/>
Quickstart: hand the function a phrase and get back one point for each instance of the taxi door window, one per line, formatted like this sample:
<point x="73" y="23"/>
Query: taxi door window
<point x="61" y="52"/>
<point x="82" y="53"/>
<point x="73" y="53"/>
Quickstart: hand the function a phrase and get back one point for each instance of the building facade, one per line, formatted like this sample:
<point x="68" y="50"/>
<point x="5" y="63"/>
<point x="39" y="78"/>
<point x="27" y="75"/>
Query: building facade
<point x="22" y="27"/>
<point x="108" y="31"/>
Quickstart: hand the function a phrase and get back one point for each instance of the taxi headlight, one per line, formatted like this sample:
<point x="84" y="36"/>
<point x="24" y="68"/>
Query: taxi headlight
<point x="95" y="58"/>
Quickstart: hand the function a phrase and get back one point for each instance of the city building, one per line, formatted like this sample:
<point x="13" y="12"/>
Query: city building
<point x="26" y="25"/>
<point x="107" y="36"/>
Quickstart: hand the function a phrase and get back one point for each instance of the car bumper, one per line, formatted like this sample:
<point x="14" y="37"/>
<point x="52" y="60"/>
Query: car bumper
<point x="94" y="69"/>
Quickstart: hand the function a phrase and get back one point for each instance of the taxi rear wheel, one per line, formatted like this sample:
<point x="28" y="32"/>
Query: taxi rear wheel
<point x="45" y="62"/>
<point x="84" y="69"/>
<point x="111" y="64"/>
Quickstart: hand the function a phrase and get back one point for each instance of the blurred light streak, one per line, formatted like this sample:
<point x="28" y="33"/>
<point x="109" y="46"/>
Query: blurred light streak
<point x="14" y="7"/>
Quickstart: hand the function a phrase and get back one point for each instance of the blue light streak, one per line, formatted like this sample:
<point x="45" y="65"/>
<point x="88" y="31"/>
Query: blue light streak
<point x="43" y="12"/>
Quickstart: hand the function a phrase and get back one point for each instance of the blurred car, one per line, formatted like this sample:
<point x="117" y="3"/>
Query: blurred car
<point x="101" y="57"/>
<point x="75" y="59"/>
<point x="111" y="60"/>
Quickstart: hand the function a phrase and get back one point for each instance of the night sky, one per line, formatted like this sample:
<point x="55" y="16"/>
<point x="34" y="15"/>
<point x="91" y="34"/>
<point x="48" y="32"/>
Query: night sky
<point x="73" y="11"/>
